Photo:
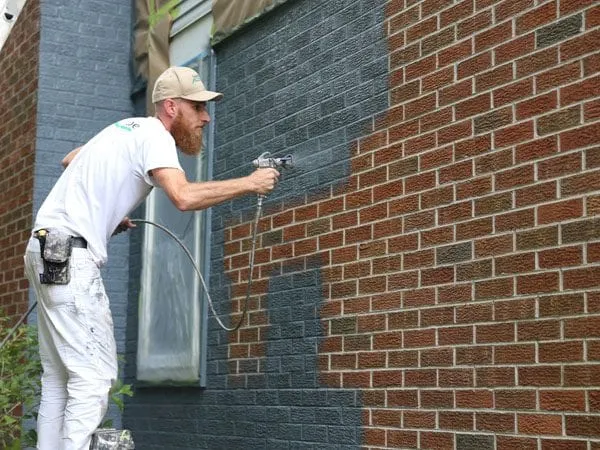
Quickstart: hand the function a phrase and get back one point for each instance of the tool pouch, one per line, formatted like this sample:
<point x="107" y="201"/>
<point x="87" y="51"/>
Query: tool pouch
<point x="56" y="251"/>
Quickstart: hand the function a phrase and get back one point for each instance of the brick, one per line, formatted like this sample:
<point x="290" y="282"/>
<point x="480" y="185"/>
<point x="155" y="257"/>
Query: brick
<point x="582" y="375"/>
<point x="455" y="92"/>
<point x="435" y="120"/>
<point x="556" y="400"/>
<point x="536" y="149"/>
<point x="420" y="68"/>
<point x="557" y="77"/>
<point x="586" y="327"/>
<point x="591" y="64"/>
<point x="437" y="399"/>
<point x="495" y="376"/>
<point x="587" y="426"/>
<point x="538" y="193"/>
<point x="421" y="29"/>
<point x="514" y="354"/>
<point x="537" y="238"/>
<point x="515" y="48"/>
<point x="537" y="105"/>
<point x="476" y="399"/>
<point x="516" y="443"/>
<point x="560" y="211"/>
<point x="583" y="90"/>
<point x="437" y="440"/>
<point x="474" y="313"/>
<point x="518" y="309"/>
<point x="456" y="172"/>
<point x="539" y="375"/>
<point x="494" y="36"/>
<point x="541" y="15"/>
<point x="470" y="441"/>
<point x="495" y="422"/>
<point x="558" y="121"/>
<point x="438" y="40"/>
<point x="580" y="137"/>
<point x="457" y="12"/>
<point x="454" y="132"/>
<point x="474" y="270"/>
<point x="511" y="264"/>
<point x="501" y="332"/>
<point x="454" y="253"/>
<point x="455" y="213"/>
<point x="399" y="438"/>
<point x="559" y="166"/>
<point x="450" y="420"/>
<point x="492" y="120"/>
<point x="570" y="6"/>
<point x="470" y="26"/>
<point x="580" y="184"/>
<point x="436" y="158"/>
<point x="560" y="352"/>
<point x="474" y="187"/>
<point x="517" y="399"/>
<point x="540" y="330"/>
<point x="474" y="65"/>
<point x="559" y="31"/>
<point x="497" y="245"/>
<point x="513" y="92"/>
<point x="473" y="106"/>
<point x="454" y="53"/>
<point x="437" y="79"/>
<point x="537" y="62"/>
<point x="514" y="177"/>
<point x="493" y="204"/>
<point x="580" y="45"/>
<point x="539" y="424"/>
<point x="560" y="257"/>
<point x="524" y="218"/>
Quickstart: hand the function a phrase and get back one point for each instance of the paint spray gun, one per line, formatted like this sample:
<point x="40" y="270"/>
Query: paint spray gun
<point x="266" y="160"/>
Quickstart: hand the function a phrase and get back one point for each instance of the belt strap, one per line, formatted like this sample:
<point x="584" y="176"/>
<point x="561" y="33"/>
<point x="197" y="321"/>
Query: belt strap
<point x="76" y="241"/>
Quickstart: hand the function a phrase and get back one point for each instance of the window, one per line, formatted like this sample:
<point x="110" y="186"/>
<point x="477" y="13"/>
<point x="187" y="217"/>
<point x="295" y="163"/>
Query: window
<point x="172" y="309"/>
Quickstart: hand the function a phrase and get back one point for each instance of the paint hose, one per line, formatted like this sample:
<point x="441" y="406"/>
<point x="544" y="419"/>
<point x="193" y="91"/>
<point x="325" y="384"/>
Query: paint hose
<point x="196" y="269"/>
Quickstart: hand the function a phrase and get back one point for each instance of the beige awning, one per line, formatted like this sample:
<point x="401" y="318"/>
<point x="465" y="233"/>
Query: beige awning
<point x="231" y="15"/>
<point x="151" y="42"/>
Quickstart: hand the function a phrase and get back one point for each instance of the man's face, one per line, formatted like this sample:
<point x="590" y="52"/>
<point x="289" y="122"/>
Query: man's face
<point x="187" y="126"/>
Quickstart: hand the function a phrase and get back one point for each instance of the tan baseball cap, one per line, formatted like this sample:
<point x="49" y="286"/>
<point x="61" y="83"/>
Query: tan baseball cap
<point x="182" y="82"/>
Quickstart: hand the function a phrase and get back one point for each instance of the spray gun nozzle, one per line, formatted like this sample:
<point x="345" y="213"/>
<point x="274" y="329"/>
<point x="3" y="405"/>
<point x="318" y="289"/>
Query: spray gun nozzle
<point x="266" y="160"/>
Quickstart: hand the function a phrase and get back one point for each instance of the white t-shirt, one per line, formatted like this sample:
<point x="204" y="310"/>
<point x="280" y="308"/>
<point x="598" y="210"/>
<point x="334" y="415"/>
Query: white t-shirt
<point x="106" y="180"/>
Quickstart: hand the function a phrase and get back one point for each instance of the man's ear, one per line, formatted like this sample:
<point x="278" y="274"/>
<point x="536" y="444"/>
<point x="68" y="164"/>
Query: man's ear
<point x="170" y="107"/>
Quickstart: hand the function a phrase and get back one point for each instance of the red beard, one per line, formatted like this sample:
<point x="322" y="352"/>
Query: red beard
<point x="186" y="138"/>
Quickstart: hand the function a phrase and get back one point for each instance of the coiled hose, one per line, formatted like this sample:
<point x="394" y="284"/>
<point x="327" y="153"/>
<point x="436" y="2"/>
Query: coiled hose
<point x="196" y="268"/>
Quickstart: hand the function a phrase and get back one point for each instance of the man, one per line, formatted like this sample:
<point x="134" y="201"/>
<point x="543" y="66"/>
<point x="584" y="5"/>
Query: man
<point x="103" y="181"/>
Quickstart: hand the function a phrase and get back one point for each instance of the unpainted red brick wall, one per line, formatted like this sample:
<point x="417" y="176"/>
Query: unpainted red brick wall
<point x="18" y="104"/>
<point x="460" y="263"/>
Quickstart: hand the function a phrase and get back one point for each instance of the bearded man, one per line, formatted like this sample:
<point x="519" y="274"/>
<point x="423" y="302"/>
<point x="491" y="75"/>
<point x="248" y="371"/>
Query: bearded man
<point x="103" y="181"/>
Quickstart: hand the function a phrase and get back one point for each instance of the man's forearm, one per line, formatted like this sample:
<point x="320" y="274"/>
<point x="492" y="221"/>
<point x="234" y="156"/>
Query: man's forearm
<point x="195" y="196"/>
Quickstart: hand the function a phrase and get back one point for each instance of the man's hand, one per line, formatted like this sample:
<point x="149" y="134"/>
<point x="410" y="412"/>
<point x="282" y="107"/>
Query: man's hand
<point x="264" y="180"/>
<point x="125" y="225"/>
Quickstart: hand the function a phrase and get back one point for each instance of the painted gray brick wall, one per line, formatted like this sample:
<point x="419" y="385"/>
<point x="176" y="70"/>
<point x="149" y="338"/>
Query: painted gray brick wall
<point x="84" y="85"/>
<point x="306" y="79"/>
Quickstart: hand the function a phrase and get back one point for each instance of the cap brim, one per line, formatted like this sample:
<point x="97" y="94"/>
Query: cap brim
<point x="204" y="96"/>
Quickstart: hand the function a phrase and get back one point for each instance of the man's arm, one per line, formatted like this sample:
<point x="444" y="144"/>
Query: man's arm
<point x="188" y="196"/>
<point x="67" y="159"/>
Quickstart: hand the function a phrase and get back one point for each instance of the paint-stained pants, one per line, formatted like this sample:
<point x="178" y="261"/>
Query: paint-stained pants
<point x="77" y="351"/>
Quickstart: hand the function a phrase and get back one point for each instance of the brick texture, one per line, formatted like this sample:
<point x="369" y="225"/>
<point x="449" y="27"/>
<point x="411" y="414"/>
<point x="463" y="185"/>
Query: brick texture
<point x="19" y="61"/>
<point x="427" y="275"/>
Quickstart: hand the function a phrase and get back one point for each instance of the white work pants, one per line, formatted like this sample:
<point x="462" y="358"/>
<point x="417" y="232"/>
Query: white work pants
<point x="77" y="351"/>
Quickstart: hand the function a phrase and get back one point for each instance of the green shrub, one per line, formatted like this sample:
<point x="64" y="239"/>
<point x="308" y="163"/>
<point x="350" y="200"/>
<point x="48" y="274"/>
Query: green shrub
<point x="20" y="371"/>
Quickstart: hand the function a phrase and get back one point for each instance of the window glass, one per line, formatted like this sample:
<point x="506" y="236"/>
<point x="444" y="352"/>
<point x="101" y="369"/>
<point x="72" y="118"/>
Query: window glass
<point x="172" y="314"/>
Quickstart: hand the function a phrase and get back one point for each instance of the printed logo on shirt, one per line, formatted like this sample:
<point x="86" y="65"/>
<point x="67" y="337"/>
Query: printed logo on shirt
<point x="127" y="126"/>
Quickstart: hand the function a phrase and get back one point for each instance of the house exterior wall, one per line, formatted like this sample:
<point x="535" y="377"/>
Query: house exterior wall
<point x="427" y="277"/>
<point x="18" y="104"/>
